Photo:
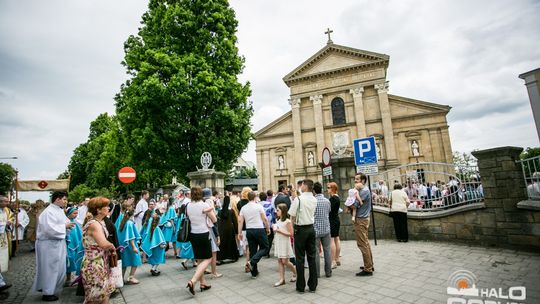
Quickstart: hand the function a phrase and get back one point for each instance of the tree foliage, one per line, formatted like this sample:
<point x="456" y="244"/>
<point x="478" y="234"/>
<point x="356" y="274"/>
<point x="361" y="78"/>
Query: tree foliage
<point x="465" y="165"/>
<point x="184" y="96"/>
<point x="96" y="162"/>
<point x="7" y="175"/>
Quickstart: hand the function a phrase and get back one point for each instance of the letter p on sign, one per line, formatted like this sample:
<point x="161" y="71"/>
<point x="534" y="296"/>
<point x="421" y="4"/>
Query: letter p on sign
<point x="365" y="152"/>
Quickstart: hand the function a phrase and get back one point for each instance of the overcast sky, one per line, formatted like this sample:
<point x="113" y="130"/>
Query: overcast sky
<point x="60" y="65"/>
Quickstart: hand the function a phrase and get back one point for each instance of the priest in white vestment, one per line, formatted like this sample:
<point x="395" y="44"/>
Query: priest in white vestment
<point x="18" y="234"/>
<point x="6" y="224"/>
<point x="51" y="248"/>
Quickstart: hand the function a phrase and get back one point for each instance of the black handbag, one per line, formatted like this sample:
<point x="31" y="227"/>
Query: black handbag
<point x="185" y="228"/>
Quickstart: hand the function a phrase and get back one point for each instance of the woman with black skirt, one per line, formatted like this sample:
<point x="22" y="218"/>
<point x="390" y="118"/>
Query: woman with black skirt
<point x="197" y="212"/>
<point x="399" y="203"/>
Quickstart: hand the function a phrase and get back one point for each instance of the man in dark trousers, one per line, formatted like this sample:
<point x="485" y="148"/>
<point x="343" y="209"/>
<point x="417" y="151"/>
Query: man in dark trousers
<point x="302" y="214"/>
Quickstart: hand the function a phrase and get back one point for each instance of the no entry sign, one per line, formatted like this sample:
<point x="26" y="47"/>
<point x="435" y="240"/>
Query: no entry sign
<point x="127" y="175"/>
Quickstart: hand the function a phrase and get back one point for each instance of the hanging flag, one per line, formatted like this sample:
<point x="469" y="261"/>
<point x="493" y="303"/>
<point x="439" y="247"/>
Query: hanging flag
<point x="43" y="185"/>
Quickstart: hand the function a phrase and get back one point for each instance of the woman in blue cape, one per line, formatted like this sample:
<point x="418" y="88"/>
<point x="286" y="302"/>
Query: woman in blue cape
<point x="166" y="223"/>
<point x="128" y="237"/>
<point x="154" y="245"/>
<point x="185" y="251"/>
<point x="75" y="249"/>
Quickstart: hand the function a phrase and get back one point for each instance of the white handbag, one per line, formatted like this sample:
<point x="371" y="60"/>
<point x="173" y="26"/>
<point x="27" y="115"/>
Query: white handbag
<point x="116" y="273"/>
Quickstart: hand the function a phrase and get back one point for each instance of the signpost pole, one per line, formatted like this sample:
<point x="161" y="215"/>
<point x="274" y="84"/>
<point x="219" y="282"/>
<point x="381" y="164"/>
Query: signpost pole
<point x="372" y="214"/>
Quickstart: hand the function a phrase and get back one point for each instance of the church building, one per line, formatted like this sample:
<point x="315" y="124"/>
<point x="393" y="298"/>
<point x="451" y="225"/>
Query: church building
<point x="338" y="95"/>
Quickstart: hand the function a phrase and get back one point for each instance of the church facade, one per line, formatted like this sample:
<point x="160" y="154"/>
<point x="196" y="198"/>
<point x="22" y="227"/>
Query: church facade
<point x="338" y="95"/>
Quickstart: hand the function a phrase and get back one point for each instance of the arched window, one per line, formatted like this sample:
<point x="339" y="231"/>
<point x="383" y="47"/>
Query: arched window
<point x="338" y="111"/>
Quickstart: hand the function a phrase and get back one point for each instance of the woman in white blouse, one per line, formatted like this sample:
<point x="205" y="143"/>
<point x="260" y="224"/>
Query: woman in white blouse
<point x="198" y="212"/>
<point x="399" y="203"/>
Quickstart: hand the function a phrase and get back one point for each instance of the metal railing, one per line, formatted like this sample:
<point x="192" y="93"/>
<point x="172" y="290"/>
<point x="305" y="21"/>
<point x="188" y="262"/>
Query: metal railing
<point x="531" y="175"/>
<point x="430" y="186"/>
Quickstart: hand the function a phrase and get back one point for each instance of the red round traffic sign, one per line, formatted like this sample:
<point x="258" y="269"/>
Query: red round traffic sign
<point x="326" y="157"/>
<point x="127" y="175"/>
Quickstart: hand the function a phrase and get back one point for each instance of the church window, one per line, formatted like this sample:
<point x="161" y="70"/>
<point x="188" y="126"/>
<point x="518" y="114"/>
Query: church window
<point x="338" y="111"/>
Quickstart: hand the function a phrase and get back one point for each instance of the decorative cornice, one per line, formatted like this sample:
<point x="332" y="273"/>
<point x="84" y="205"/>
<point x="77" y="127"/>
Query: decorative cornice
<point x="382" y="87"/>
<point x="357" y="92"/>
<point x="295" y="102"/>
<point x="338" y="49"/>
<point x="361" y="66"/>
<point x="317" y="99"/>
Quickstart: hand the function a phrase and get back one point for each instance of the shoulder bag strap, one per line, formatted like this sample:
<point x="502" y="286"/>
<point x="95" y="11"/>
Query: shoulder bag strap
<point x="297" y="212"/>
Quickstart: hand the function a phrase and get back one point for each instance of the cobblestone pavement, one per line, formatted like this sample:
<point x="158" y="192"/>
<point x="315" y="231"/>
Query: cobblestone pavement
<point x="20" y="275"/>
<point x="414" y="272"/>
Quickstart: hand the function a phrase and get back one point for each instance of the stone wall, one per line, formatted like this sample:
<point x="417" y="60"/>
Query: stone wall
<point x="497" y="223"/>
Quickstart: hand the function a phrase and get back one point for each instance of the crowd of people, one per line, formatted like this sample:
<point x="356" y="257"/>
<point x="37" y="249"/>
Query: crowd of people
<point x="84" y="243"/>
<point x="431" y="195"/>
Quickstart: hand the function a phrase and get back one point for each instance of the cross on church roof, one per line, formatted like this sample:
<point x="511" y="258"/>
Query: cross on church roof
<point x="328" y="32"/>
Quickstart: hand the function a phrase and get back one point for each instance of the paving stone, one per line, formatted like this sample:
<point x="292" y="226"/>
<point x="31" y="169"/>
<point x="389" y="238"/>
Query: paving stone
<point x="400" y="267"/>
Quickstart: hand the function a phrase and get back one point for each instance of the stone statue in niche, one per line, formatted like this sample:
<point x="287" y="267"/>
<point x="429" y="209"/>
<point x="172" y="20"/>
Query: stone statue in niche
<point x="311" y="159"/>
<point x="415" y="148"/>
<point x="281" y="162"/>
<point x="378" y="150"/>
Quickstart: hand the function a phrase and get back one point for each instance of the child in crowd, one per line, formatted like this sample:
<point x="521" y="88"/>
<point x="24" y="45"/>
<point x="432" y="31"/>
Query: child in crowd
<point x="185" y="250"/>
<point x="128" y="237"/>
<point x="154" y="245"/>
<point x="282" y="245"/>
<point x="349" y="202"/>
<point x="75" y="249"/>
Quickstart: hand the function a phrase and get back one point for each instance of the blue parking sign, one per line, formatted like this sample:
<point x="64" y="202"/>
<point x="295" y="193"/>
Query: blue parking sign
<point x="365" y="151"/>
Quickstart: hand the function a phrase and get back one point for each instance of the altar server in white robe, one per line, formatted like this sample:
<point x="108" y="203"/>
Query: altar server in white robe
<point x="51" y="248"/>
<point x="22" y="222"/>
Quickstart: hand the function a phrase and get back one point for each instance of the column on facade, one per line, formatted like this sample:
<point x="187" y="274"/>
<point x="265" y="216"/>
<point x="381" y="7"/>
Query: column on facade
<point x="382" y="90"/>
<point x="266" y="167"/>
<point x="297" y="133"/>
<point x="357" y="94"/>
<point x="436" y="143"/>
<point x="445" y="136"/>
<point x="262" y="175"/>
<point x="318" y="116"/>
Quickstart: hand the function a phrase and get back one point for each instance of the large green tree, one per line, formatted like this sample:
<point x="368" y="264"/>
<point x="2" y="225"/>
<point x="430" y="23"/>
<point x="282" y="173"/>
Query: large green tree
<point x="96" y="162"/>
<point x="184" y="96"/>
<point x="7" y="175"/>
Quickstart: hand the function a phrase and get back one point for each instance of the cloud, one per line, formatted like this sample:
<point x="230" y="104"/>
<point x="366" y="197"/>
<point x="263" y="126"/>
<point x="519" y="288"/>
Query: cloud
<point x="60" y="64"/>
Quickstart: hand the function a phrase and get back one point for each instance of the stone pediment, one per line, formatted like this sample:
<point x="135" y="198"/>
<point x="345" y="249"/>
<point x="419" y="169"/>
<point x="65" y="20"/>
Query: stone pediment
<point x="282" y="125"/>
<point x="402" y="107"/>
<point x="336" y="58"/>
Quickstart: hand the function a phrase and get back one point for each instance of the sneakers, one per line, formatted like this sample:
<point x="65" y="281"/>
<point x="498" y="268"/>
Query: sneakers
<point x="364" y="273"/>
<point x="155" y="273"/>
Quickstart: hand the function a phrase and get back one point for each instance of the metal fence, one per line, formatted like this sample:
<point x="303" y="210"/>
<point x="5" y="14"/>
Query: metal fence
<point x="531" y="175"/>
<point x="430" y="186"/>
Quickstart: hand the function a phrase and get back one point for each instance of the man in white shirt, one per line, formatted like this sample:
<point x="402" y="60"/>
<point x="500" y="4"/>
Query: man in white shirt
<point x="302" y="214"/>
<point x="18" y="234"/>
<point x="141" y="208"/>
<point x="51" y="250"/>
<point x="257" y="229"/>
